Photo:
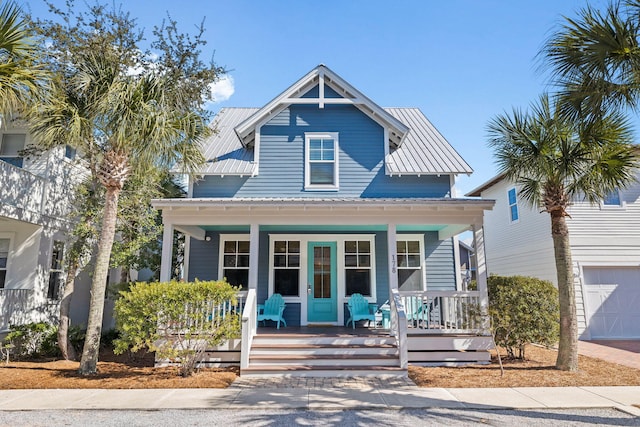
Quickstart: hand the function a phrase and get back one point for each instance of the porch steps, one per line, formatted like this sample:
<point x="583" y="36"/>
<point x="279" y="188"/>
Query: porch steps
<point x="323" y="355"/>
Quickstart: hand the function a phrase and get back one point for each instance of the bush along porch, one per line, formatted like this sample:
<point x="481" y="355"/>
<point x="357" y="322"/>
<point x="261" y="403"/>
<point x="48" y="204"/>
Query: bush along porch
<point x="322" y="194"/>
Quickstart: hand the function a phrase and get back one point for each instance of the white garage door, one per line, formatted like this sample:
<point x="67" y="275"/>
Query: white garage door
<point x="613" y="302"/>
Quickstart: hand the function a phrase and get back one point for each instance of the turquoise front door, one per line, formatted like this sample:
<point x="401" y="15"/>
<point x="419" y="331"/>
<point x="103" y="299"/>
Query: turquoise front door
<point x="322" y="302"/>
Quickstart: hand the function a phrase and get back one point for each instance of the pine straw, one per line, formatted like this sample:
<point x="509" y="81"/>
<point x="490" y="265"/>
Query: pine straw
<point x="119" y="372"/>
<point x="537" y="371"/>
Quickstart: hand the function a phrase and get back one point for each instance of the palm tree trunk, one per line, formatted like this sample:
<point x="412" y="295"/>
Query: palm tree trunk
<point x="67" y="350"/>
<point x="89" y="360"/>
<point x="568" y="345"/>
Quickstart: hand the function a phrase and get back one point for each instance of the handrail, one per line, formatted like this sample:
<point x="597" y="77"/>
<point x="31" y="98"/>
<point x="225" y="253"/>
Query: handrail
<point x="249" y="322"/>
<point x="399" y="327"/>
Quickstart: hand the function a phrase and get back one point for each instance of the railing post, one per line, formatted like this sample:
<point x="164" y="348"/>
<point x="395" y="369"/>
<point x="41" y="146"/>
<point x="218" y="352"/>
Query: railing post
<point x="397" y="309"/>
<point x="249" y="317"/>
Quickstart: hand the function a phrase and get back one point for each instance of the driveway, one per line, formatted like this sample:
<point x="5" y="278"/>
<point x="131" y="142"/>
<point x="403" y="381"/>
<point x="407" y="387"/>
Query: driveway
<point x="622" y="352"/>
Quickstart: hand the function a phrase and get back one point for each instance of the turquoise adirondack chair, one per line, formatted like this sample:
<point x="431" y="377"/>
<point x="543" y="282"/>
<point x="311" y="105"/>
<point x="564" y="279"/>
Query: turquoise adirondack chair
<point x="417" y="311"/>
<point x="360" y="309"/>
<point x="272" y="309"/>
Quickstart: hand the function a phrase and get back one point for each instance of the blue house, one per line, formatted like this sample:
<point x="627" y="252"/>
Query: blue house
<point x="321" y="194"/>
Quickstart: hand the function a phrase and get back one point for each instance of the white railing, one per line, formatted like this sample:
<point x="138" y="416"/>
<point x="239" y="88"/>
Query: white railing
<point x="16" y="307"/>
<point x="204" y="315"/>
<point x="249" y="324"/>
<point x="444" y="312"/>
<point x="399" y="327"/>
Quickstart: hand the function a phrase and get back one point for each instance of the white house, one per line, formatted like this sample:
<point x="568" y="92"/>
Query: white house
<point x="605" y="248"/>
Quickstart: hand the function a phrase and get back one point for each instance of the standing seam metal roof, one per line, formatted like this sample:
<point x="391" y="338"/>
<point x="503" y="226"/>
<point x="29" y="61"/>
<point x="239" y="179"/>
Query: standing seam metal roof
<point x="424" y="150"/>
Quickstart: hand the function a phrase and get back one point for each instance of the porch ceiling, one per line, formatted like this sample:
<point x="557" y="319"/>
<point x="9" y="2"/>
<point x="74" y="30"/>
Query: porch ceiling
<point x="309" y="211"/>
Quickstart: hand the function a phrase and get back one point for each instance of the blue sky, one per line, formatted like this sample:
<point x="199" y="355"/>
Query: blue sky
<point x="460" y="62"/>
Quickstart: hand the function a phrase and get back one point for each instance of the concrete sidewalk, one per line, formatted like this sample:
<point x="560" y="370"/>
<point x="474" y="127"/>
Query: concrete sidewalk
<point x="356" y="395"/>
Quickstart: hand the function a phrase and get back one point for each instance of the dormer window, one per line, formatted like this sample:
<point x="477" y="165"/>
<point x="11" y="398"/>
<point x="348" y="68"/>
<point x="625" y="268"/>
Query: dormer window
<point x="321" y="161"/>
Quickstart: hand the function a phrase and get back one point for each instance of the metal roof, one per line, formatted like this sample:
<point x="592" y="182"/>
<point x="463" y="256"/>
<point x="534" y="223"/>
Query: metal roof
<point x="224" y="151"/>
<point x="424" y="149"/>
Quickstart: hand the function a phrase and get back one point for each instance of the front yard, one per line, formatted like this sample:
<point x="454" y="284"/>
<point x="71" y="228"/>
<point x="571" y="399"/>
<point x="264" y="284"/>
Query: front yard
<point x="124" y="372"/>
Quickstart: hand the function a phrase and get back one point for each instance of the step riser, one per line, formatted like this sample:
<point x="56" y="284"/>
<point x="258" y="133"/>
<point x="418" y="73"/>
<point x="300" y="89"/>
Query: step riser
<point x="324" y="341"/>
<point x="325" y="351"/>
<point x="322" y="362"/>
<point x="325" y="374"/>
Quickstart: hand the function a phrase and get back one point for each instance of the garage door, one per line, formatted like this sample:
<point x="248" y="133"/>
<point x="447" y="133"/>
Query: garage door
<point x="613" y="302"/>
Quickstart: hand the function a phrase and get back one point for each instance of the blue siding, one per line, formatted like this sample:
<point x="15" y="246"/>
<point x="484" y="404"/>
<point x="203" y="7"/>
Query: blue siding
<point x="203" y="258"/>
<point x="439" y="263"/>
<point x="361" y="160"/>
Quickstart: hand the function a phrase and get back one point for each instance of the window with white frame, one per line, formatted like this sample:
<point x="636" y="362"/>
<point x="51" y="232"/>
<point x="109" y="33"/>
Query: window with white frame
<point x="357" y="267"/>
<point x="513" y="205"/>
<point x="286" y="268"/>
<point x="235" y="262"/>
<point x="612" y="198"/>
<point x="10" y="147"/>
<point x="55" y="273"/>
<point x="321" y="161"/>
<point x="410" y="265"/>
<point x="4" y="258"/>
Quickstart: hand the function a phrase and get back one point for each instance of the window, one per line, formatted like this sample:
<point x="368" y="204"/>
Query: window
<point x="69" y="152"/>
<point x="513" y="205"/>
<point x="409" y="265"/>
<point x="12" y="144"/>
<point x="4" y="257"/>
<point x="286" y="268"/>
<point x="236" y="262"/>
<point x="321" y="169"/>
<point x="357" y="267"/>
<point x="612" y="199"/>
<point x="55" y="273"/>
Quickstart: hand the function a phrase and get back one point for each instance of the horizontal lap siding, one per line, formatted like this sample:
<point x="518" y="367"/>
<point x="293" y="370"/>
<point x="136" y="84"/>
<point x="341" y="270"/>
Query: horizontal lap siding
<point x="361" y="160"/>
<point x="439" y="263"/>
<point x="203" y="258"/>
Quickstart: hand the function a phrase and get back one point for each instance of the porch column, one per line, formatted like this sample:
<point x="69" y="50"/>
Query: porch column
<point x="393" y="257"/>
<point x="481" y="267"/>
<point x="167" y="250"/>
<point x="254" y="241"/>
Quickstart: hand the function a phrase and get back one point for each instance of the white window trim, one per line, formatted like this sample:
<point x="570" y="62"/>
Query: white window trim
<point x="621" y="206"/>
<point x="11" y="237"/>
<point x="307" y="172"/>
<point x="230" y="237"/>
<point x="423" y="270"/>
<point x="513" y="221"/>
<point x="304" y="240"/>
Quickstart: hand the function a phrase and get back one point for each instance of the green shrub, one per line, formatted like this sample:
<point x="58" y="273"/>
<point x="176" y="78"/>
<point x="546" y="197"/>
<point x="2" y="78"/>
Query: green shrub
<point x="523" y="310"/>
<point x="33" y="340"/>
<point x="175" y="319"/>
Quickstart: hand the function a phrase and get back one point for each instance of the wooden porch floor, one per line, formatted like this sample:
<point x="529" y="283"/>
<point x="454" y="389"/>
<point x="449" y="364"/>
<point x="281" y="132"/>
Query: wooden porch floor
<point x="341" y="331"/>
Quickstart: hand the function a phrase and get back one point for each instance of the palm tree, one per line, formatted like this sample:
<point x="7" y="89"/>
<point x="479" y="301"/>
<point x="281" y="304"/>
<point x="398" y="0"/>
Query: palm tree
<point x="22" y="80"/>
<point x="126" y="125"/>
<point x="555" y="160"/>
<point x="595" y="60"/>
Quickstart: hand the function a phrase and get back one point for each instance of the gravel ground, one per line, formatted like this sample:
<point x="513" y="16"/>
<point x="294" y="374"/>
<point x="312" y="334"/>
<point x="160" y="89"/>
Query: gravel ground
<point x="228" y="418"/>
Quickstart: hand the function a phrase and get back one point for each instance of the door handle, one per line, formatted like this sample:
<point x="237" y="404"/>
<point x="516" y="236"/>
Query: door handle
<point x="309" y="289"/>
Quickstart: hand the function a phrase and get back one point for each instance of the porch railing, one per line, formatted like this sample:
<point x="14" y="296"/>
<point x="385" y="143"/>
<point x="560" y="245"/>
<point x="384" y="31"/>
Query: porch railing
<point x="249" y="322"/>
<point x="399" y="326"/>
<point x="444" y="312"/>
<point x="209" y="314"/>
<point x="16" y="306"/>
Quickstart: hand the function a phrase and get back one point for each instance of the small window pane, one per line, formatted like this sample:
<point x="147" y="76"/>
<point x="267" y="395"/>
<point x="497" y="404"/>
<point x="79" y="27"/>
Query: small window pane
<point x="229" y="260"/>
<point x="612" y="199"/>
<point x="328" y="154"/>
<point x="358" y="281"/>
<point x="321" y="173"/>
<point x="364" y="261"/>
<point x="328" y="144"/>
<point x="54" y="285"/>
<point x="294" y="261"/>
<point x="315" y="155"/>
<point x="351" y="260"/>
<point x="413" y="247"/>
<point x="402" y="261"/>
<point x="243" y="261"/>
<point x="514" y="213"/>
<point x="413" y="261"/>
<point x="315" y="144"/>
<point x="409" y="280"/>
<point x="12" y="144"/>
<point x="243" y="247"/>
<point x="401" y="247"/>
<point x="4" y="245"/>
<point x="280" y="261"/>
<point x="230" y="247"/>
<point x="512" y="196"/>
<point x="237" y="277"/>
<point x="294" y="247"/>
<point x="286" y="282"/>
<point x="280" y="247"/>
<point x="364" y="247"/>
<point x="3" y="261"/>
<point x="350" y="247"/>
<point x="3" y="277"/>
<point x="69" y="152"/>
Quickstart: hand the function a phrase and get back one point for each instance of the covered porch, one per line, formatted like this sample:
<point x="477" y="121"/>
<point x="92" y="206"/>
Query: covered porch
<point x="399" y="254"/>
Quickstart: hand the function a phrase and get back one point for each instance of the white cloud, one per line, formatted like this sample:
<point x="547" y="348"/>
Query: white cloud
<point x="222" y="89"/>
